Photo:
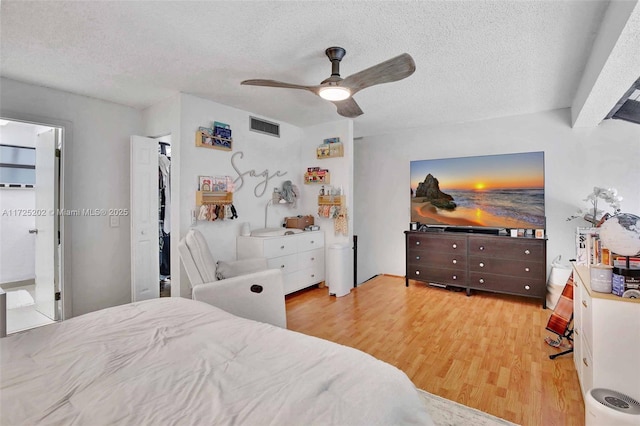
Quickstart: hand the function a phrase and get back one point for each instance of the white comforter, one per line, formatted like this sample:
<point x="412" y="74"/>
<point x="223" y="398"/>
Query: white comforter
<point x="173" y="361"/>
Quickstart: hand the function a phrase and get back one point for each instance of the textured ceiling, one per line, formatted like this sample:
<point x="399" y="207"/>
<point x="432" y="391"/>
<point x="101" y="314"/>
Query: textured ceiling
<point x="474" y="59"/>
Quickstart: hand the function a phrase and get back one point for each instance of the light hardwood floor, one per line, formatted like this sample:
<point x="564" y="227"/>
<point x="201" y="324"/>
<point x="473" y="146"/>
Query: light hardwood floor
<point x="486" y="351"/>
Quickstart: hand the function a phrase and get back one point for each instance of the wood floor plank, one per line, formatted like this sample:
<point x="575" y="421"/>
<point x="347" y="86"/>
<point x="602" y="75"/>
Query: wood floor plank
<point x="486" y="351"/>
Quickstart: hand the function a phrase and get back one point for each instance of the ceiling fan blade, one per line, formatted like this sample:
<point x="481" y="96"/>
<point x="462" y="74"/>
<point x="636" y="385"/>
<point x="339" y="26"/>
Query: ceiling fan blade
<point x="274" y="83"/>
<point x="348" y="108"/>
<point x="394" y="69"/>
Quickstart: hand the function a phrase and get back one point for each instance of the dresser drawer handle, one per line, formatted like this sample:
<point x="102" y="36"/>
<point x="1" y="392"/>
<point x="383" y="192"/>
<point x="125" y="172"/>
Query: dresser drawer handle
<point x="454" y="245"/>
<point x="281" y="247"/>
<point x="417" y="243"/>
<point x="417" y="272"/>
<point x="584" y="361"/>
<point x="584" y="303"/>
<point x="481" y="280"/>
<point x="312" y="241"/>
<point x="455" y="261"/>
<point x="313" y="275"/>
<point x="282" y="266"/>
<point x="526" y="269"/>
<point x="313" y="258"/>
<point x="417" y="257"/>
<point x="482" y="264"/>
<point x="527" y="251"/>
<point x="526" y="287"/>
<point x="481" y="248"/>
<point x="455" y="277"/>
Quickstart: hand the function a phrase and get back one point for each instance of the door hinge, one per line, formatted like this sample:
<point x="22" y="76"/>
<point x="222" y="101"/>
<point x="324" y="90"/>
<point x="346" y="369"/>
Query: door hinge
<point x="58" y="296"/>
<point x="58" y="153"/>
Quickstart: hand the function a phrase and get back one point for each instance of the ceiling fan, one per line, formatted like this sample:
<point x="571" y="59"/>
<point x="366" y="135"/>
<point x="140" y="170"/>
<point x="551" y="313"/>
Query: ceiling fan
<point x="340" y="90"/>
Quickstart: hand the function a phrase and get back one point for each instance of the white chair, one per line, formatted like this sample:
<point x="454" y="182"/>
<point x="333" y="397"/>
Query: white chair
<point x="248" y="290"/>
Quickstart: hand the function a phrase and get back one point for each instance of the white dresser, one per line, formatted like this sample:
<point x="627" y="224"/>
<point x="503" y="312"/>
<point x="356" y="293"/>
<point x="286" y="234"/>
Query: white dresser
<point x="300" y="256"/>
<point x="606" y="338"/>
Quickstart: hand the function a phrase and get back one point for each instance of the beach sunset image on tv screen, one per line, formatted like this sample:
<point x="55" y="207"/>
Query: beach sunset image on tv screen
<point x="497" y="191"/>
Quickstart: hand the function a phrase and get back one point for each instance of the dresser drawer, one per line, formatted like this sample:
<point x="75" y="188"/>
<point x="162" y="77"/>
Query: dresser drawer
<point x="308" y="259"/>
<point x="286" y="264"/>
<point x="586" y="315"/>
<point x="437" y="259"/>
<point x="303" y="278"/>
<point x="507" y="248"/>
<point x="515" y="268"/>
<point x="437" y="275"/>
<point x="276" y="247"/>
<point x="310" y="240"/>
<point x="437" y="242"/>
<point x="506" y="284"/>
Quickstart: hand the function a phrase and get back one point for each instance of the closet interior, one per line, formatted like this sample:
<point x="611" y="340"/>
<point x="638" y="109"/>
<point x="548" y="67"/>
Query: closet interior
<point x="164" y="219"/>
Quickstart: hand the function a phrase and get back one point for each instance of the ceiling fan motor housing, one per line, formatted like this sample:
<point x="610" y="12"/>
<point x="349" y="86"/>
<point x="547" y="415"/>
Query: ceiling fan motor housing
<point x="335" y="55"/>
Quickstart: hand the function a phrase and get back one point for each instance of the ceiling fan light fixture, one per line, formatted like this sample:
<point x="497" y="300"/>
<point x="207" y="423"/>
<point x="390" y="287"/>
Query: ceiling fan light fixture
<point x="334" y="93"/>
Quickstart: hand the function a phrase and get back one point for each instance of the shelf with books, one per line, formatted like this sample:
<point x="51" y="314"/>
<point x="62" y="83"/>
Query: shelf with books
<point x="330" y="150"/>
<point x="315" y="175"/>
<point x="213" y="197"/>
<point x="331" y="200"/>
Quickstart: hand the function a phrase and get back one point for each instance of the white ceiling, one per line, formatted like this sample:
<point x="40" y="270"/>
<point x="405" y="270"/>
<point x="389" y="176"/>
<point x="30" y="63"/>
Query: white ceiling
<point x="474" y="59"/>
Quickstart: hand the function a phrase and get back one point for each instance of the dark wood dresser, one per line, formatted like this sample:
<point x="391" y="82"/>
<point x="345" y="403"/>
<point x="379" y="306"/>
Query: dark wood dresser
<point x="498" y="264"/>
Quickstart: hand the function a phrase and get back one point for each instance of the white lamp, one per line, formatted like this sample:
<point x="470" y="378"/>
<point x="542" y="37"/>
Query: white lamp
<point x="334" y="93"/>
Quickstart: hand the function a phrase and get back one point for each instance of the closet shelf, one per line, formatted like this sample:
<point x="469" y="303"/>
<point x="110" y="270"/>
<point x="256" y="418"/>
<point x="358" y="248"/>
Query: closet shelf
<point x="213" y="197"/>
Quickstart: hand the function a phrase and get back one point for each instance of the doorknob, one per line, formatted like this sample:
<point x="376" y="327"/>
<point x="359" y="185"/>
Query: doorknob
<point x="33" y="231"/>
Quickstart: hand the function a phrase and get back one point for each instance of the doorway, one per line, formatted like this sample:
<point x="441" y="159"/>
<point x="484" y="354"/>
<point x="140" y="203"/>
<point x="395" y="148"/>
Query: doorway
<point x="30" y="247"/>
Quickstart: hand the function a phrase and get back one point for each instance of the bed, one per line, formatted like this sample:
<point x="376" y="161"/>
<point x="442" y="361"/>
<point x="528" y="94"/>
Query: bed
<point x="174" y="361"/>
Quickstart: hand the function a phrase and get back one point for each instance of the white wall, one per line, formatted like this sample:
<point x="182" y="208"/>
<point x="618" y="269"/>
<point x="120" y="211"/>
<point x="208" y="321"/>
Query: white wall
<point x="341" y="175"/>
<point x="576" y="160"/>
<point x="96" y="176"/>
<point x="260" y="152"/>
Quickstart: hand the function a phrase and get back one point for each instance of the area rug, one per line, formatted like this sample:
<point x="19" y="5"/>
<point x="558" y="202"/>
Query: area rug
<point x="445" y="412"/>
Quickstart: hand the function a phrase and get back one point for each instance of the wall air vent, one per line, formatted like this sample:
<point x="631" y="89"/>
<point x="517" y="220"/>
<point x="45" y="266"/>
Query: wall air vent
<point x="263" y="126"/>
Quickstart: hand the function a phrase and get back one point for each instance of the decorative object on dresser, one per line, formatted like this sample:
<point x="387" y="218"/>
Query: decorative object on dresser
<point x="299" y="255"/>
<point x="492" y="263"/>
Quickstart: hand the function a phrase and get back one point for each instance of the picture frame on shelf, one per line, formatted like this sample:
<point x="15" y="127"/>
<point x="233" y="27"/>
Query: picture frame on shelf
<point x="205" y="183"/>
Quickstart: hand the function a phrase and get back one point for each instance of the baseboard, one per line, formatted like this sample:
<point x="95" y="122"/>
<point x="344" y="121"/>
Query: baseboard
<point x="393" y="276"/>
<point x="15" y="284"/>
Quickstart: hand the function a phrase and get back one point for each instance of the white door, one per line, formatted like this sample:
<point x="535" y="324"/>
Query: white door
<point x="145" y="262"/>
<point x="46" y="190"/>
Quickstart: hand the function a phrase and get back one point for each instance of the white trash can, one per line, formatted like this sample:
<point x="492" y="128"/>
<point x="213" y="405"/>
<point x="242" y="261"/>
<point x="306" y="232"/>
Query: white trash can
<point x="338" y="269"/>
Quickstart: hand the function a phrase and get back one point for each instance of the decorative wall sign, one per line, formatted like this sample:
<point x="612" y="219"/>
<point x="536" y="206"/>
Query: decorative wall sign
<point x="262" y="186"/>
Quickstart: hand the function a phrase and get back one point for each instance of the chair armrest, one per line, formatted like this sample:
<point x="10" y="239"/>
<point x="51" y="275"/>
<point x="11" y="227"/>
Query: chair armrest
<point x="234" y="268"/>
<point x="264" y="303"/>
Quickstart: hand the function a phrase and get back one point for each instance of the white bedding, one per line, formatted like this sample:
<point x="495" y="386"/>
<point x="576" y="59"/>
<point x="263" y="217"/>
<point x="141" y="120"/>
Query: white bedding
<point x="173" y="361"/>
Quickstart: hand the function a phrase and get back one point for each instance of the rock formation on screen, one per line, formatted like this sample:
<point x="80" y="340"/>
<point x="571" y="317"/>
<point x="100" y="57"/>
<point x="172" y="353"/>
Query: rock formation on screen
<point x="429" y="190"/>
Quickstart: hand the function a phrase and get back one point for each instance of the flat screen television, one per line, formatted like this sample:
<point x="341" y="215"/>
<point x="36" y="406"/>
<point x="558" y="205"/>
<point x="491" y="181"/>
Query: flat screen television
<point x="503" y="191"/>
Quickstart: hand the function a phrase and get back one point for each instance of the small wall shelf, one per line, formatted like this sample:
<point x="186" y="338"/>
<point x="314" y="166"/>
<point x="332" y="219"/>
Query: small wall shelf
<point x="331" y="200"/>
<point x="213" y="197"/>
<point x="208" y="141"/>
<point x="330" y="150"/>
<point x="322" y="177"/>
